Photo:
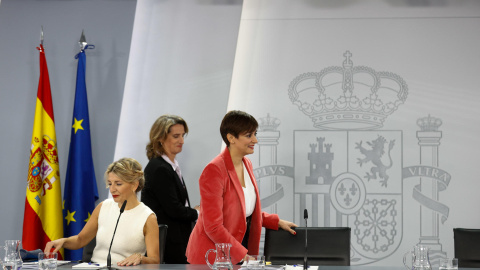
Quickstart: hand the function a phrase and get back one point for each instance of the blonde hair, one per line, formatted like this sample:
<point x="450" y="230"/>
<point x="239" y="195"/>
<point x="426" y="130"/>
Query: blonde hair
<point x="159" y="132"/>
<point x="128" y="170"/>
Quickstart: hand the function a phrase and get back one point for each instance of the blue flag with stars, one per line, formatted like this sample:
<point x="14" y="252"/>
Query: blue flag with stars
<point x="80" y="191"/>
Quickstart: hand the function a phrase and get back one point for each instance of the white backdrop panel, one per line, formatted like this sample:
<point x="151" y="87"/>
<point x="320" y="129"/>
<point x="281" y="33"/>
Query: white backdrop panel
<point x="303" y="162"/>
<point x="180" y="63"/>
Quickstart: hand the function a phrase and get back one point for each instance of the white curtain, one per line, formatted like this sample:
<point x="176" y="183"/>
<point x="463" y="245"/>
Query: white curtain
<point x="181" y="62"/>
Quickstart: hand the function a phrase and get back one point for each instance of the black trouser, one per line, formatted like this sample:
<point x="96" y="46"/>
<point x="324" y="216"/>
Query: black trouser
<point x="245" y="237"/>
<point x="247" y="233"/>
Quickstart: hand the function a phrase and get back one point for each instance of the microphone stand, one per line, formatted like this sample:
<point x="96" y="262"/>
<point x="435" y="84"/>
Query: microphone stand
<point x="305" y="262"/>
<point x="109" y="258"/>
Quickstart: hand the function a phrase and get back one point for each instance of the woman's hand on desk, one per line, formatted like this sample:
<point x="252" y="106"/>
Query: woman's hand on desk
<point x="287" y="226"/>
<point x="56" y="244"/>
<point x="134" y="259"/>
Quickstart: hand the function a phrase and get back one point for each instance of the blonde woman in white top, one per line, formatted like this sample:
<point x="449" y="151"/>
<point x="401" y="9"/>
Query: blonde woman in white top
<point x="137" y="230"/>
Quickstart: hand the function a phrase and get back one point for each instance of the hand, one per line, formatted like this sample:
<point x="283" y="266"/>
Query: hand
<point x="245" y="258"/>
<point x="134" y="259"/>
<point x="287" y="226"/>
<point x="197" y="207"/>
<point x="56" y="244"/>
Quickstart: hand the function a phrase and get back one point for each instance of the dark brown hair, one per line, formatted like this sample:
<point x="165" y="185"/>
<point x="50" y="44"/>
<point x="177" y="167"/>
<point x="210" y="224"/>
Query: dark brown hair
<point x="237" y="123"/>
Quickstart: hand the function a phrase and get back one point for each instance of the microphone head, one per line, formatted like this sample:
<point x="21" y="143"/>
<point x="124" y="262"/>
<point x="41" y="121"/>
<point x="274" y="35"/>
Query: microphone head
<point x="305" y="214"/>
<point x="125" y="204"/>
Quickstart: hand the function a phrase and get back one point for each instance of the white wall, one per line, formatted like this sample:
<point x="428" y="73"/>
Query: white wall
<point x="424" y="55"/>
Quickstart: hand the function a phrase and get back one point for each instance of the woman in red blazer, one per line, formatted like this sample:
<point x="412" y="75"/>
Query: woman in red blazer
<point x="230" y="202"/>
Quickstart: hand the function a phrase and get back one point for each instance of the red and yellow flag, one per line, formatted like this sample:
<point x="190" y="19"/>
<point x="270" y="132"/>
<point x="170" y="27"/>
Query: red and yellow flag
<point x="42" y="221"/>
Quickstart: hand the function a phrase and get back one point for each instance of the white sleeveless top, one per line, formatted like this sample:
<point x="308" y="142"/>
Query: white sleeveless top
<point x="129" y="238"/>
<point x="249" y="193"/>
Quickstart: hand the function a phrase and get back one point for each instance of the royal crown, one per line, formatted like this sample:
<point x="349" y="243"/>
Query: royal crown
<point x="268" y="123"/>
<point x="348" y="97"/>
<point x="429" y="123"/>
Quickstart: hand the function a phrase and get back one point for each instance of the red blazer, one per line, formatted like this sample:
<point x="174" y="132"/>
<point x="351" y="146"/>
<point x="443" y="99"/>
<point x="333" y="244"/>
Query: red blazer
<point x="222" y="213"/>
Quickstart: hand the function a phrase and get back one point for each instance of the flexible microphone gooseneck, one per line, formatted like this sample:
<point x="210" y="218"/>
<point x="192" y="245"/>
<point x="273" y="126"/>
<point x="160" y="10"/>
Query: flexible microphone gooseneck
<point x="305" y="262"/>
<point x="109" y="258"/>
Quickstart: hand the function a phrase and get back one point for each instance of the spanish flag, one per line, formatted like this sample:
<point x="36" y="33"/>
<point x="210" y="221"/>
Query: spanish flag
<point x="42" y="221"/>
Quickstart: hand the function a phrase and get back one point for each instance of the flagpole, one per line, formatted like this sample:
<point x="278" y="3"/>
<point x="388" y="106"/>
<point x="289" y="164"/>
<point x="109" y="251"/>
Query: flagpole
<point x="41" y="36"/>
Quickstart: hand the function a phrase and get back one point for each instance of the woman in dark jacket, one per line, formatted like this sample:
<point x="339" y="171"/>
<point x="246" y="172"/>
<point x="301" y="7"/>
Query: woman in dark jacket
<point x="165" y="191"/>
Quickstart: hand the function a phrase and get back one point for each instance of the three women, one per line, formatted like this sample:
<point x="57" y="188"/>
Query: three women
<point x="230" y="204"/>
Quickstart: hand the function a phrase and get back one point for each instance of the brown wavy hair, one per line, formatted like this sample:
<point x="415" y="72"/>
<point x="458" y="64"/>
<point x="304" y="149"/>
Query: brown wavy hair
<point x="159" y="132"/>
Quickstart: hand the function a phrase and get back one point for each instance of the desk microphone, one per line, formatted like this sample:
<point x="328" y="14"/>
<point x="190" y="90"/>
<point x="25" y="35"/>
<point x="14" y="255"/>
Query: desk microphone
<point x="305" y="216"/>
<point x="109" y="258"/>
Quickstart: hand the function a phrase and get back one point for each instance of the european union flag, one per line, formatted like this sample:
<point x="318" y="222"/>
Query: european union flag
<point x="80" y="191"/>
